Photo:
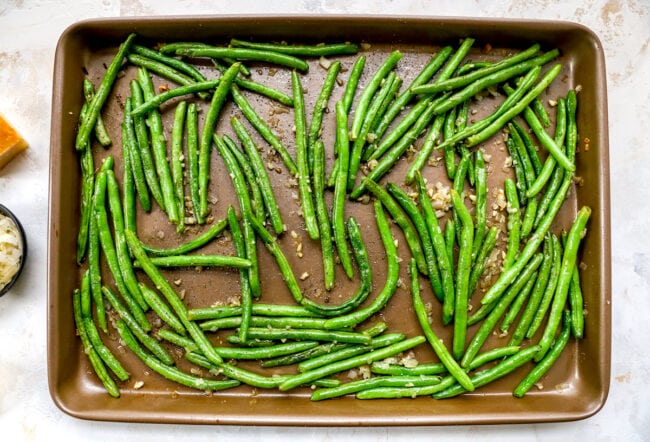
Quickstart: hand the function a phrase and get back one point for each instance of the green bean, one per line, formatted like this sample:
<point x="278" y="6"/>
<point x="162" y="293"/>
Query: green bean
<point x="171" y="48"/>
<point x="481" y="205"/>
<point x="370" y="89"/>
<point x="493" y="79"/>
<point x="100" y="129"/>
<point x="142" y="139"/>
<point x="177" y="161"/>
<point x="520" y="177"/>
<point x="463" y="267"/>
<point x="500" y="307"/>
<point x="191" y="245"/>
<point x="272" y="246"/>
<point x="379" y="381"/>
<point x="491" y="355"/>
<point x="447" y="133"/>
<point x="338" y="205"/>
<point x="482" y="258"/>
<point x="353" y="81"/>
<point x="95" y="360"/>
<point x="87" y="166"/>
<point x="549" y="289"/>
<point x="263" y="321"/>
<point x="435" y="342"/>
<point x="519" y="301"/>
<point x="426" y="369"/>
<point x="388" y="160"/>
<point x="243" y="54"/>
<point x="258" y="88"/>
<point x="486" y="376"/>
<point x="161" y="69"/>
<point x="389" y="99"/>
<point x="577" y="232"/>
<point x="392" y="277"/>
<point x="459" y="185"/>
<point x="400" y="129"/>
<point x="300" y="50"/>
<point x="577" y="305"/>
<point x="409" y="392"/>
<point x="411" y="209"/>
<point x="93" y="335"/>
<point x="438" y="243"/>
<point x="324" y="225"/>
<point x="529" y="217"/>
<point x="463" y="80"/>
<point x="161" y="309"/>
<point x="132" y="155"/>
<point x="263" y="129"/>
<point x="350" y="351"/>
<point x="159" y="145"/>
<point x="514" y="224"/>
<point x="472" y="65"/>
<point x="402" y="221"/>
<point x="543" y="366"/>
<point x="331" y="180"/>
<point x="365" y="274"/>
<point x="256" y="309"/>
<point x="538" y="107"/>
<point x="149" y="342"/>
<point x="572" y="129"/>
<point x="558" y="172"/>
<point x="260" y="172"/>
<point x="529" y="249"/>
<point x="256" y="198"/>
<point x="218" y="100"/>
<point x="306" y="334"/>
<point x="425" y="152"/>
<point x="347" y="364"/>
<point x="295" y="358"/>
<point x="530" y="147"/>
<point x="524" y="86"/>
<point x="319" y="109"/>
<point x="245" y="206"/>
<point x="360" y="142"/>
<point x="177" y="64"/>
<point x="524" y="157"/>
<point x="110" y="253"/>
<point x="199" y="260"/>
<point x="159" y="99"/>
<point x="95" y="273"/>
<point x="234" y="372"/>
<point x="104" y="89"/>
<point x="450" y="241"/>
<point x="507" y="115"/>
<point x="536" y="296"/>
<point x="192" y="141"/>
<point x="168" y="372"/>
<point x="405" y="97"/>
<point x="172" y="298"/>
<point x="304" y="184"/>
<point x="124" y="260"/>
<point x="128" y="184"/>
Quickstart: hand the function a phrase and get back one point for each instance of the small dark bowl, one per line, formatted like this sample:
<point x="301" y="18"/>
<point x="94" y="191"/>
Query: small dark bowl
<point x="6" y="212"/>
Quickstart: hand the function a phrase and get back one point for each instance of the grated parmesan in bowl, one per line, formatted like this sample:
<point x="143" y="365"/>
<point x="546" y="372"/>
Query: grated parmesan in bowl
<point x="12" y="249"/>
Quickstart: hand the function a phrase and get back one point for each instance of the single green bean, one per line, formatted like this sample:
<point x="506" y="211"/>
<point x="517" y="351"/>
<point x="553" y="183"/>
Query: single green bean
<point x="304" y="182"/>
<point x="128" y="183"/>
<point x="263" y="129"/>
<point x="514" y="223"/>
<point x="262" y="321"/>
<point x="426" y="369"/>
<point x="243" y="54"/>
<point x="172" y="298"/>
<point x="538" y="107"/>
<point x="492" y="355"/>
<point x="162" y="309"/>
<point x="428" y="146"/>
<point x="191" y="245"/>
<point x="450" y="241"/>
<point x="245" y="206"/>
<point x="480" y="212"/>
<point x="87" y="167"/>
<point x="258" y="88"/>
<point x="472" y="65"/>
<point x="315" y="124"/>
<point x="338" y="206"/>
<point x="257" y="163"/>
<point x="218" y="100"/>
<point x="177" y="161"/>
<point x="162" y="69"/>
<point x="324" y="224"/>
<point x="353" y="82"/>
<point x="199" y="260"/>
<point x="244" y="283"/>
<point x="306" y="334"/>
<point x="104" y="89"/>
<point x="318" y="50"/>
<point x="375" y="382"/>
<point x="256" y="309"/>
<point x="159" y="99"/>
<point x="520" y="177"/>
<point x="95" y="273"/>
<point x="435" y="342"/>
<point x="408" y="392"/>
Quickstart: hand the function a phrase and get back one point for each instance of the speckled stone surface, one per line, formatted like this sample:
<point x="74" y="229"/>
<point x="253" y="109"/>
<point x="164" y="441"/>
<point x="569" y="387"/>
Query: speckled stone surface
<point x="29" y="30"/>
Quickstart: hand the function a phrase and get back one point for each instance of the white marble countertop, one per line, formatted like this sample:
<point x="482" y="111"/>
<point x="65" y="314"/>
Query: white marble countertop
<point x="29" y="30"/>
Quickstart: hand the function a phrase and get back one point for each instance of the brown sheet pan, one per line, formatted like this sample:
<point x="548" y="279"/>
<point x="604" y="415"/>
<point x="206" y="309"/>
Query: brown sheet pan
<point x="575" y="388"/>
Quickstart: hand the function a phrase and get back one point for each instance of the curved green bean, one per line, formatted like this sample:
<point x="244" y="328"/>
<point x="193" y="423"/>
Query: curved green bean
<point x="243" y="54"/>
<point x="319" y="50"/>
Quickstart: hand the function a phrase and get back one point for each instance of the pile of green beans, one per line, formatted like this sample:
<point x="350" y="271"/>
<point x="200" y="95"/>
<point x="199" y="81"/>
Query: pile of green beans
<point x="536" y="294"/>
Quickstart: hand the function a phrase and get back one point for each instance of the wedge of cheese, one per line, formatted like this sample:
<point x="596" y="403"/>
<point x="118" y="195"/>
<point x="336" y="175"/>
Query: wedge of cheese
<point x="11" y="143"/>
